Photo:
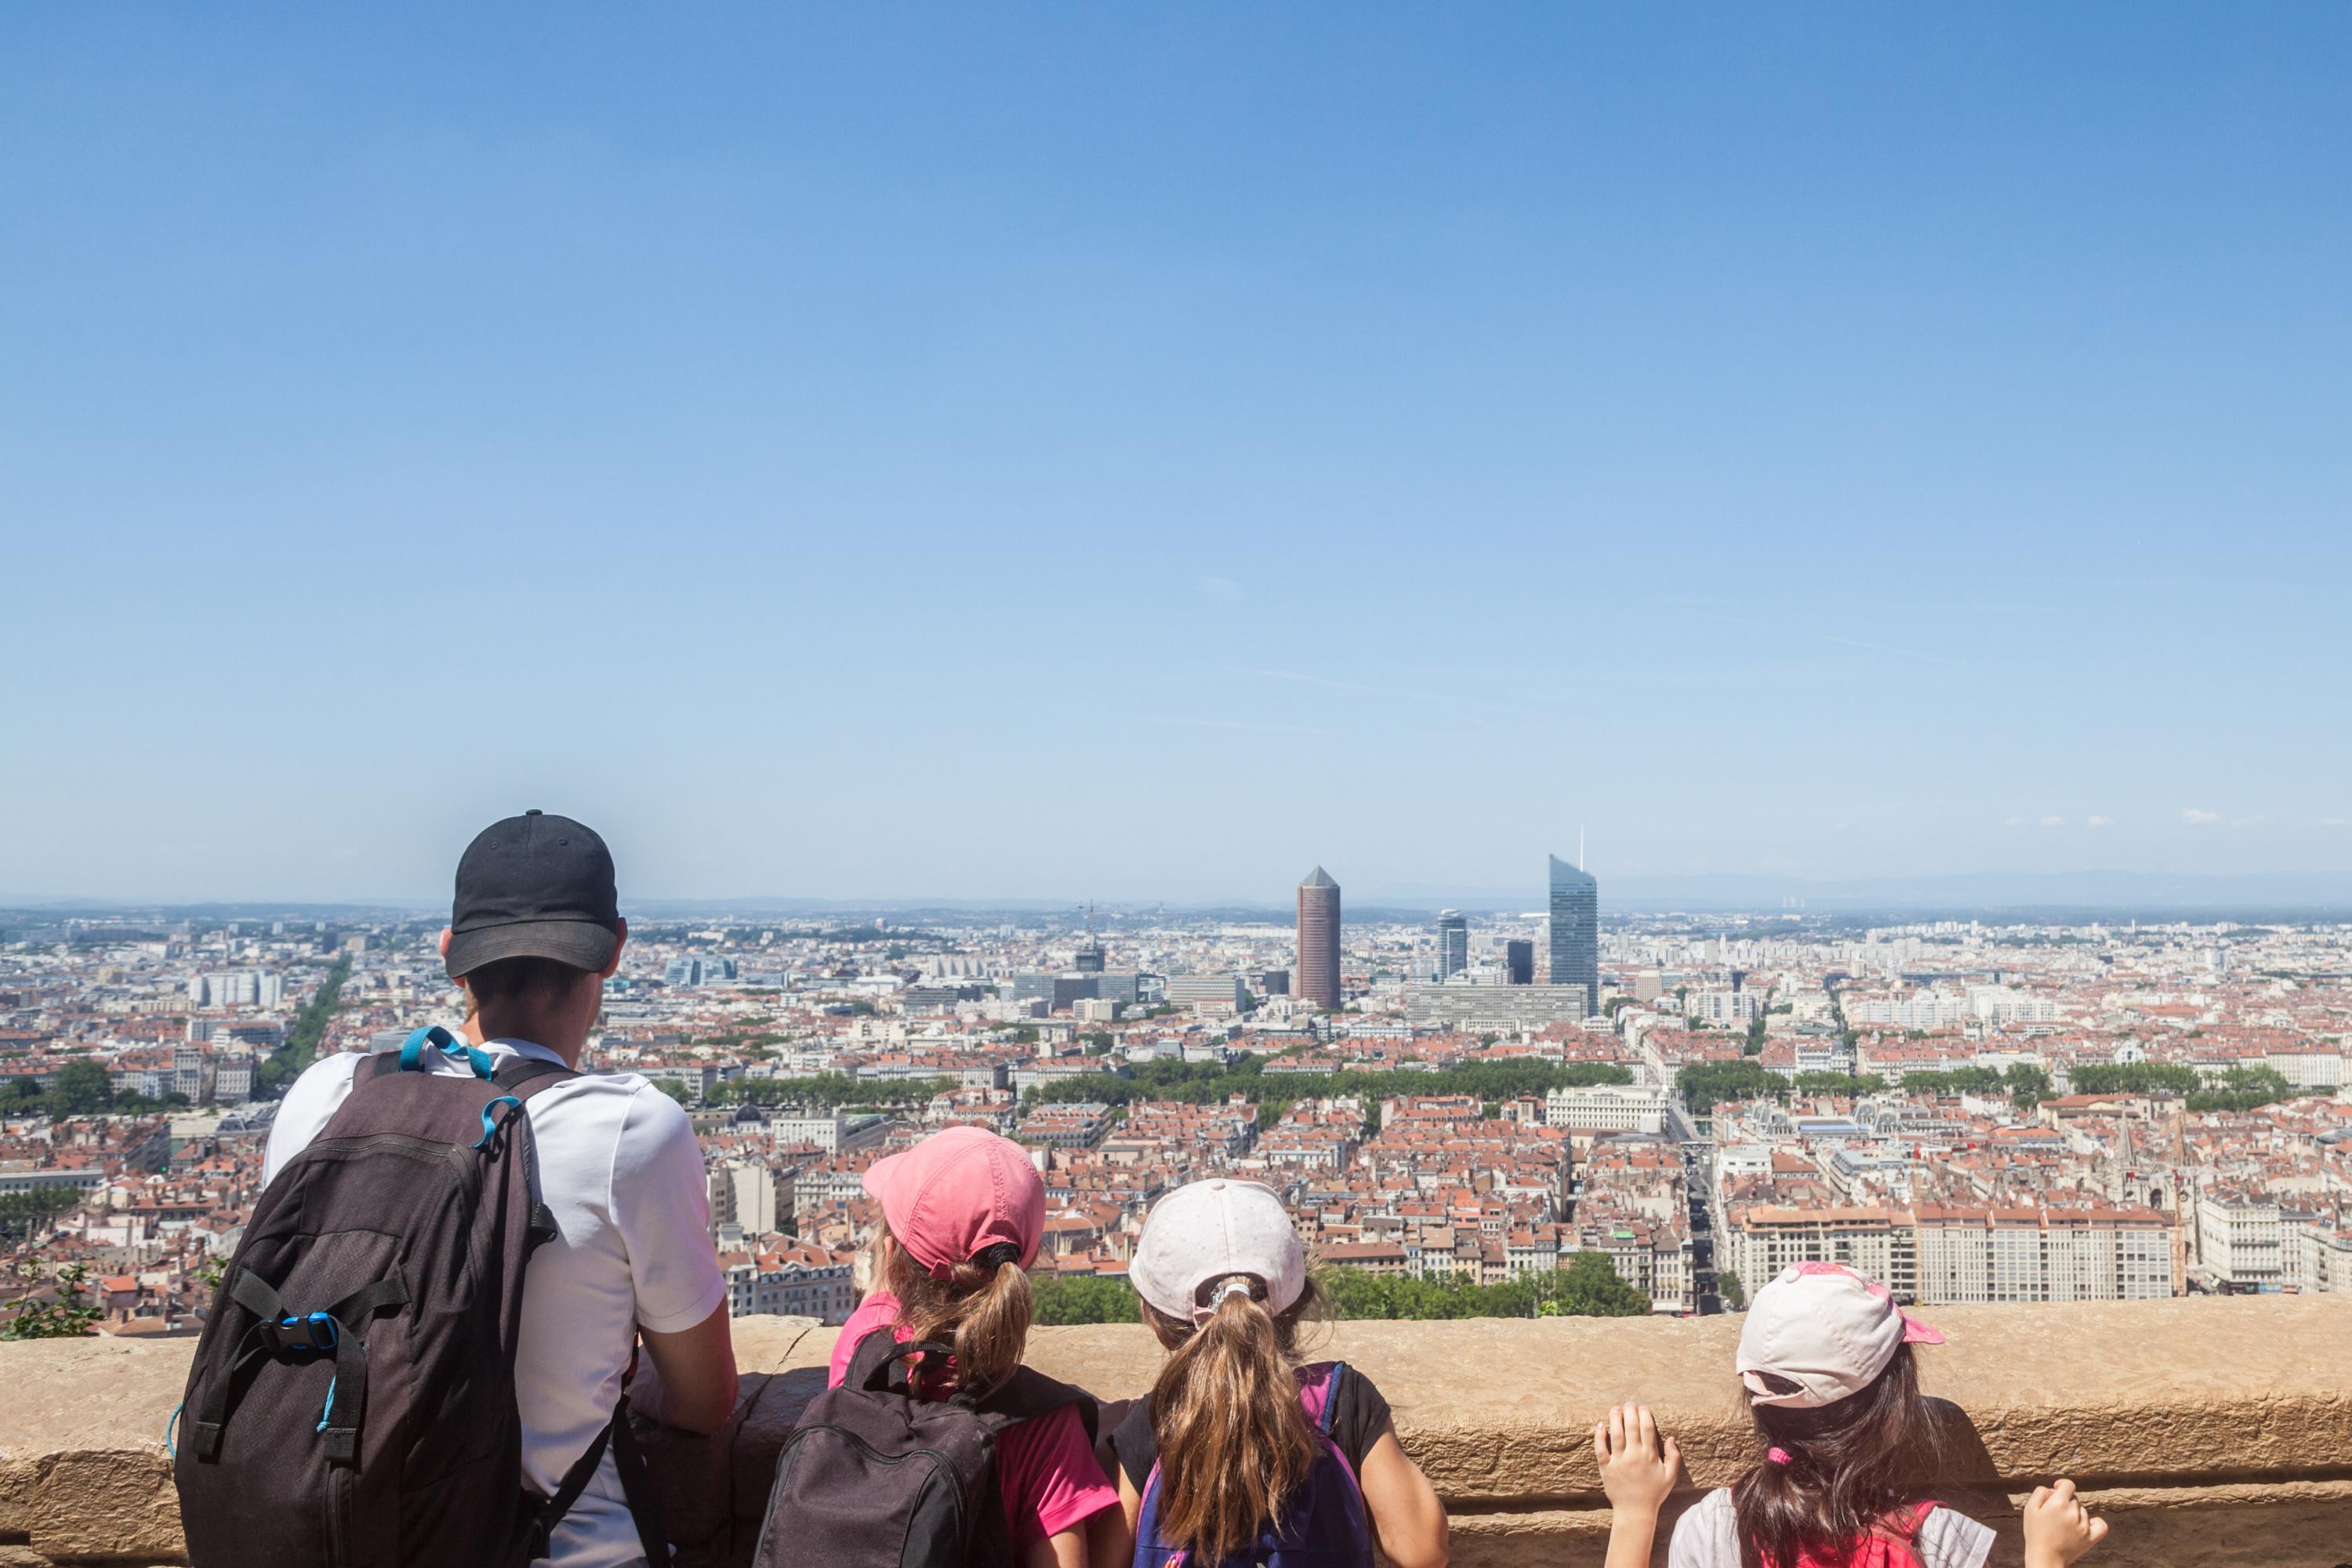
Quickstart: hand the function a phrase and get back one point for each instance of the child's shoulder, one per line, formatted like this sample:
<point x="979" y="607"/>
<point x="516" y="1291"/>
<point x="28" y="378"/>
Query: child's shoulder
<point x="1950" y="1539"/>
<point x="1707" y="1536"/>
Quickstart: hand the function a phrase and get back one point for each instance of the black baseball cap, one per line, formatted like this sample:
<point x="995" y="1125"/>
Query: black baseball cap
<point x="534" y="886"/>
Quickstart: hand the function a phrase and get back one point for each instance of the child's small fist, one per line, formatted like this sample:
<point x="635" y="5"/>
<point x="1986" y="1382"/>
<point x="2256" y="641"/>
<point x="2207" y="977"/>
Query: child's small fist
<point x="2058" y="1527"/>
<point x="1637" y="1467"/>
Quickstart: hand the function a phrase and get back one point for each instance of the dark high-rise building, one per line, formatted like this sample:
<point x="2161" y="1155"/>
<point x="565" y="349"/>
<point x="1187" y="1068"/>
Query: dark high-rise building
<point x="1453" y="944"/>
<point x="1317" y="971"/>
<point x="1576" y="931"/>
<point x="1519" y="962"/>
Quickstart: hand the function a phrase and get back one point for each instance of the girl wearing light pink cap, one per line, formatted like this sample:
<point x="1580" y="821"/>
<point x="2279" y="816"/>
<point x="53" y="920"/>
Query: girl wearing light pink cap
<point x="1244" y="1454"/>
<point x="1825" y="1361"/>
<point x="963" y="1214"/>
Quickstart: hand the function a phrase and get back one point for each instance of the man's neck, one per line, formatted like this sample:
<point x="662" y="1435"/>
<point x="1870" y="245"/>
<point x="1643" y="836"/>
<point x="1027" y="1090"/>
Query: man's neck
<point x="566" y="1040"/>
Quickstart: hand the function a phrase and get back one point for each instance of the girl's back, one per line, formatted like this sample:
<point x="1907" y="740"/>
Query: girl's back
<point x="1707" y="1536"/>
<point x="1242" y="1454"/>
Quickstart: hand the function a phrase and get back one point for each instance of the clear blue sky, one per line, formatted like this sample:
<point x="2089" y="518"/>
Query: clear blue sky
<point x="1147" y="451"/>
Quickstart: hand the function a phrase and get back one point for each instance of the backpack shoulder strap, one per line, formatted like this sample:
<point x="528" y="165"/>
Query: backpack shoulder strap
<point x="880" y="1348"/>
<point x="1321" y="1396"/>
<point x="636" y="1489"/>
<point x="1028" y="1395"/>
<point x="524" y="1075"/>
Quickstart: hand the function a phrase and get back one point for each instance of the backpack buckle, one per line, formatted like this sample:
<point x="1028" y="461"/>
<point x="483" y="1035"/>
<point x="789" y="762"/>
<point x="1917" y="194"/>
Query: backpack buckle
<point x="316" y="1332"/>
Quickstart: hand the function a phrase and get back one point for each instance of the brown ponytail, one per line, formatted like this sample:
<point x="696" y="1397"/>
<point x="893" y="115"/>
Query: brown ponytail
<point x="1843" y="1470"/>
<point x="1234" y="1442"/>
<point x="982" y="1311"/>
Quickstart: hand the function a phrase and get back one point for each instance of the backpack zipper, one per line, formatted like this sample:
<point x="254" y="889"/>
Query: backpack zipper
<point x="339" y="1498"/>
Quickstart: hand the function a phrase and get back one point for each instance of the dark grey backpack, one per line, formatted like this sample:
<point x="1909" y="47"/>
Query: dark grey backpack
<point x="351" y="1403"/>
<point x="875" y="1476"/>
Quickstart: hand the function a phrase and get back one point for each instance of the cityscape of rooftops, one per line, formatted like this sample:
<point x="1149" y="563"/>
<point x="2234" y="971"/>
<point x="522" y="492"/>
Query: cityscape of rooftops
<point x="1613" y="651"/>
<point x="1457" y="1106"/>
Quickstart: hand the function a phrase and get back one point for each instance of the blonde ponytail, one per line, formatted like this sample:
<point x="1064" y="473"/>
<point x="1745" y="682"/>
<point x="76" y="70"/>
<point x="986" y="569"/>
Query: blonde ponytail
<point x="1234" y="1442"/>
<point x="982" y="1311"/>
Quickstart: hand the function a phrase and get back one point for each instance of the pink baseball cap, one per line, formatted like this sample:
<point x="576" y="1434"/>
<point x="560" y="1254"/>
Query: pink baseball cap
<point x="1826" y="1329"/>
<point x="958" y="1194"/>
<point x="1212" y="1230"/>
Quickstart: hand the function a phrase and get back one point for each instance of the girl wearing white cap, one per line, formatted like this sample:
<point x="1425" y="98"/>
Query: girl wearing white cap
<point x="1242" y="1453"/>
<point x="1825" y="1359"/>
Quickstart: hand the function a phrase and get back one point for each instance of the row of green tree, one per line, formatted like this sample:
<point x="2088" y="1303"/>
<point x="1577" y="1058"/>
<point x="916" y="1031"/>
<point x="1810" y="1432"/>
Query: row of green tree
<point x="1206" y="1083"/>
<point x="1589" y="1287"/>
<point x="286" y="1062"/>
<point x="829" y="1090"/>
<point x="2238" y="1089"/>
<point x="2023" y="1082"/>
<point x="79" y="1088"/>
<point x="1706" y="1085"/>
<point x="25" y="1216"/>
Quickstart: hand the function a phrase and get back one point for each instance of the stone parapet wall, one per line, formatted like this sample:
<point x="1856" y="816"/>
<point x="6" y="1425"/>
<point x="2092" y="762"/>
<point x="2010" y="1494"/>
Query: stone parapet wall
<point x="2215" y="1432"/>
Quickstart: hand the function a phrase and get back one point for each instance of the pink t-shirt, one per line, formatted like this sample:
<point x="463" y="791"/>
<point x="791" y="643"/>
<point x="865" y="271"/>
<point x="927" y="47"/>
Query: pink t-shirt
<point x="1045" y="1468"/>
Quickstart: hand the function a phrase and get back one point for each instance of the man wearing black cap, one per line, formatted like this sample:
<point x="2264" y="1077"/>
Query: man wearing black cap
<point x="534" y="932"/>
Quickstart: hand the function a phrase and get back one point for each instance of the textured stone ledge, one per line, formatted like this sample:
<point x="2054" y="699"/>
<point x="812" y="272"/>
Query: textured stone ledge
<point x="2218" y="1432"/>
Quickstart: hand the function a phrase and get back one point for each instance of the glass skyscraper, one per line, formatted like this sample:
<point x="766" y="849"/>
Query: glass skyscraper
<point x="1576" y="931"/>
<point x="1453" y="944"/>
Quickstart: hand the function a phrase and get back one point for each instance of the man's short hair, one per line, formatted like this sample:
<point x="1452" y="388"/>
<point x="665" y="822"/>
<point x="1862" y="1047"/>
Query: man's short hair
<point x="509" y="980"/>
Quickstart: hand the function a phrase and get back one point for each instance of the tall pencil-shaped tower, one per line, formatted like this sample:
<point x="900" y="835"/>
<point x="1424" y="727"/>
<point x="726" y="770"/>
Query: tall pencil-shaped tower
<point x="1319" y="939"/>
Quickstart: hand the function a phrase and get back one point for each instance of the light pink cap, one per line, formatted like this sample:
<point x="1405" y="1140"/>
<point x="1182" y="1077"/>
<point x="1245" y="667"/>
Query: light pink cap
<point x="1825" y="1329"/>
<point x="958" y="1192"/>
<point x="1208" y="1230"/>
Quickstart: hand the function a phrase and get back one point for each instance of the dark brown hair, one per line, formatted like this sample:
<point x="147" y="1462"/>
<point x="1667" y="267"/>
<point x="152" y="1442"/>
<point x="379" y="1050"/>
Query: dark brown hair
<point x="506" y="980"/>
<point x="1850" y="1467"/>
<point x="1233" y="1439"/>
<point x="984" y="1313"/>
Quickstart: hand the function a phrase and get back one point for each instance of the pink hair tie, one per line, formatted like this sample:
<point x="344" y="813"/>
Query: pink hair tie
<point x="1777" y="1455"/>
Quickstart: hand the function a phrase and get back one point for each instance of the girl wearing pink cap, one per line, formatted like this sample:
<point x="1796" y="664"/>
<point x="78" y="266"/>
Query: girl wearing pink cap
<point x="1826" y="1362"/>
<point x="962" y="1213"/>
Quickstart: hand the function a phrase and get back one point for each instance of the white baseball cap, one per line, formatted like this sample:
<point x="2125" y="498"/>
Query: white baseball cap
<point x="1208" y="1230"/>
<point x="1826" y="1329"/>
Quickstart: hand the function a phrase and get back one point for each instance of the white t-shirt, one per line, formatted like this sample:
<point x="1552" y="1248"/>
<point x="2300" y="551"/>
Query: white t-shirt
<point x="619" y="1168"/>
<point x="1707" y="1536"/>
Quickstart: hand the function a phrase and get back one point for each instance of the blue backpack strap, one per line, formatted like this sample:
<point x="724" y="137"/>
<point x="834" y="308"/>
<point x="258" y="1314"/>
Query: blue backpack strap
<point x="1330" y="1396"/>
<point x="436" y="1038"/>
<point x="1150" y="1551"/>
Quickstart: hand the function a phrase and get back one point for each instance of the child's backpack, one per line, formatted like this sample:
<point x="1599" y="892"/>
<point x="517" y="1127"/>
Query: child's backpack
<point x="351" y="1403"/>
<point x="876" y="1476"/>
<point x="1892" y="1543"/>
<point x="1324" y="1523"/>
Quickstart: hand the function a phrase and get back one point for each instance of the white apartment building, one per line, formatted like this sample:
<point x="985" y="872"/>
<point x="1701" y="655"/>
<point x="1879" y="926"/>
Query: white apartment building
<point x="839" y="1134"/>
<point x="1724" y="1009"/>
<point x="1969" y="1256"/>
<point x="1219" y="993"/>
<point x="801" y="1281"/>
<point x="1757" y="1243"/>
<point x="743" y="1195"/>
<point x="2240" y="1241"/>
<point x="2316" y="1072"/>
<point x="236" y="988"/>
<point x="2318" y="1258"/>
<point x="1607" y="1108"/>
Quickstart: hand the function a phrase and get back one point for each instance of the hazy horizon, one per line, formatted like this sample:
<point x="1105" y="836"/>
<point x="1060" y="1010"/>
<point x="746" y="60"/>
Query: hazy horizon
<point x="2317" y="895"/>
<point x="1116" y="451"/>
